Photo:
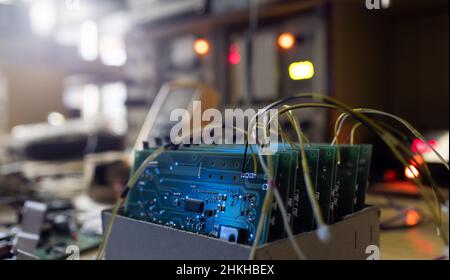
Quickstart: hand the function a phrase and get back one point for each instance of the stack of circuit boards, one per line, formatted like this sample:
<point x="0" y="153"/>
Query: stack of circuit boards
<point x="206" y="190"/>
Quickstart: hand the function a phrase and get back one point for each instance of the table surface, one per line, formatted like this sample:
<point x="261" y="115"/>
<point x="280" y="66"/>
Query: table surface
<point x="420" y="242"/>
<point x="417" y="243"/>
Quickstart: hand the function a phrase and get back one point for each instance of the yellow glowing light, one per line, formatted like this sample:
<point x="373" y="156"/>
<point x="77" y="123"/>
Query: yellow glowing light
<point x="301" y="70"/>
<point x="411" y="172"/>
<point x="201" y="46"/>
<point x="286" y="40"/>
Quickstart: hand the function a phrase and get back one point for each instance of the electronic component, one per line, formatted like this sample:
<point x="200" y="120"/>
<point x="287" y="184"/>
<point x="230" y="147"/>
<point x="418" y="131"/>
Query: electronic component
<point x="365" y="157"/>
<point x="194" y="205"/>
<point x="46" y="230"/>
<point x="303" y="219"/>
<point x="326" y="178"/>
<point x="189" y="184"/>
<point x="233" y="234"/>
<point x="345" y="186"/>
<point x="285" y="180"/>
<point x="204" y="189"/>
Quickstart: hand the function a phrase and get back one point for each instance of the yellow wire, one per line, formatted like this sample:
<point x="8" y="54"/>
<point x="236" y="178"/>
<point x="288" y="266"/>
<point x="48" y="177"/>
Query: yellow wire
<point x="439" y="196"/>
<point x="131" y="182"/>
<point x="435" y="213"/>
<point x="390" y="141"/>
<point x="306" y="170"/>
<point x="352" y="132"/>
<point x="293" y="120"/>
<point x="393" y="143"/>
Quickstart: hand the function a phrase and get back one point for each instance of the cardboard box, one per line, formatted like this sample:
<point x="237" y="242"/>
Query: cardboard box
<point x="137" y="240"/>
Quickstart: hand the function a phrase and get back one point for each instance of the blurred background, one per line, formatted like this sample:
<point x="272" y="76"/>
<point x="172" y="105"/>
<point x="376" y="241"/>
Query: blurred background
<point x="78" y="78"/>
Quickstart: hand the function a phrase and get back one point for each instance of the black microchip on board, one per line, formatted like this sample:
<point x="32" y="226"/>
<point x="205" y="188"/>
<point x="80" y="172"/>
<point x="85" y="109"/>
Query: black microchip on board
<point x="210" y="213"/>
<point x="194" y="205"/>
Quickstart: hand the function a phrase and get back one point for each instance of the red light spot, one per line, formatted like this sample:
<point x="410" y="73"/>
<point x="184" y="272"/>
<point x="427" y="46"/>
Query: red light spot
<point x="390" y="175"/>
<point x="419" y="146"/>
<point x="234" y="57"/>
<point x="412" y="218"/>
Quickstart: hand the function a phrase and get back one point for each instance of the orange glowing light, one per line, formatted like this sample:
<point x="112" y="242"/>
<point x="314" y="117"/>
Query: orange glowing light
<point x="201" y="46"/>
<point x="411" y="172"/>
<point x="286" y="40"/>
<point x="418" y="159"/>
<point x="412" y="218"/>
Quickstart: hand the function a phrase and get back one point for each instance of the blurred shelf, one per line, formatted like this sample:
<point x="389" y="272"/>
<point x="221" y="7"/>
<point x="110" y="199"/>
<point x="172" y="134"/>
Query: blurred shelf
<point x="205" y="23"/>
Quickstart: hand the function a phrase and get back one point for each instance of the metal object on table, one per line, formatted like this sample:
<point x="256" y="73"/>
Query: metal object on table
<point x="26" y="241"/>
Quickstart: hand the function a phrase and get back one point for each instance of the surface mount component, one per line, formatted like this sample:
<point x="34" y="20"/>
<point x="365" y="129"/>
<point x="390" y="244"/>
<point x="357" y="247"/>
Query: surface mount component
<point x="205" y="189"/>
<point x="200" y="192"/>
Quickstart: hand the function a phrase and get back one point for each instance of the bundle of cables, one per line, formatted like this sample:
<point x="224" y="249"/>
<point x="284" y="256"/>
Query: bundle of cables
<point x="395" y="140"/>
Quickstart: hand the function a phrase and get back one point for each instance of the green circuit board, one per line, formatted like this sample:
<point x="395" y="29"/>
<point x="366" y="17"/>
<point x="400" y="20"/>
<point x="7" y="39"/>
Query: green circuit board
<point x="285" y="179"/>
<point x="212" y="190"/>
<point x="365" y="157"/>
<point x="344" y="190"/>
<point x="326" y="178"/>
<point x="55" y="247"/>
<point x="302" y="216"/>
<point x="201" y="192"/>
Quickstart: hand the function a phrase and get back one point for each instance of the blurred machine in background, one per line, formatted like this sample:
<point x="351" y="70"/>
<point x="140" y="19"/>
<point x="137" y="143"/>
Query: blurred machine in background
<point x="244" y="61"/>
<point x="64" y="141"/>
<point x="111" y="58"/>
<point x="179" y="94"/>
